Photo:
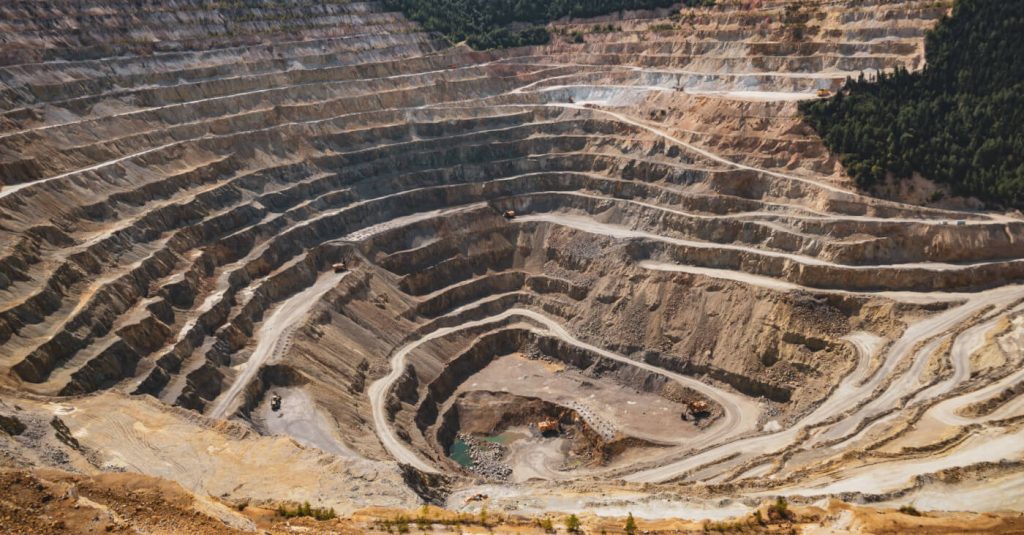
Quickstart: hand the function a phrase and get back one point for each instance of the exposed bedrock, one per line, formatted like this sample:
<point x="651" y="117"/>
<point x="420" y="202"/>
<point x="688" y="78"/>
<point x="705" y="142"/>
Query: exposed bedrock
<point x="96" y="321"/>
<point x="964" y="276"/>
<point x="274" y="375"/>
<point x="512" y="340"/>
<point x="764" y="356"/>
<point x="636" y="235"/>
<point x="491" y="413"/>
<point x="120" y="359"/>
<point x="487" y="413"/>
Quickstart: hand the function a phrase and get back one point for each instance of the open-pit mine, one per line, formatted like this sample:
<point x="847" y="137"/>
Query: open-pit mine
<point x="279" y="252"/>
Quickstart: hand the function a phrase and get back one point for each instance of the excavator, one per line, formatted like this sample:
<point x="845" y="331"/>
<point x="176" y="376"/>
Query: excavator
<point x="823" y="93"/>
<point x="551" y="425"/>
<point x="699" y="406"/>
<point x="548" y="426"/>
<point x="275" y="403"/>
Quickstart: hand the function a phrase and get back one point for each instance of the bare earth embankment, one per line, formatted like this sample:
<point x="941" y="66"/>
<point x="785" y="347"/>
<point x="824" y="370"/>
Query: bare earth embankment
<point x="602" y="277"/>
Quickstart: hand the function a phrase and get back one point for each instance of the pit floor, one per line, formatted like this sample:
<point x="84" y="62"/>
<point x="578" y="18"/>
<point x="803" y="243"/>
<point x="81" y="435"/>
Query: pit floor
<point x="622" y="408"/>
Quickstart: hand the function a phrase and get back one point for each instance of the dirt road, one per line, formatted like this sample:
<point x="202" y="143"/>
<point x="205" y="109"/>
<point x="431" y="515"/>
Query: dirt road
<point x="740" y="412"/>
<point x="272" y="337"/>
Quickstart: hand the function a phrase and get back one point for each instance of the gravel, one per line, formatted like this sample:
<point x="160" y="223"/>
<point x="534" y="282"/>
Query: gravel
<point x="487" y="458"/>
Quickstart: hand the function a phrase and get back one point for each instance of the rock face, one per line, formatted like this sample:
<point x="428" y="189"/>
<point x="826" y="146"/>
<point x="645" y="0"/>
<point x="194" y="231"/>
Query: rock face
<point x="625" y="228"/>
<point x="11" y="425"/>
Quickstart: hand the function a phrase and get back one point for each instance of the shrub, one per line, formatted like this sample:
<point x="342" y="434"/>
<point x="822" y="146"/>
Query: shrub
<point x="572" y="523"/>
<point x="317" y="513"/>
<point x="779" y="510"/>
<point x="910" y="510"/>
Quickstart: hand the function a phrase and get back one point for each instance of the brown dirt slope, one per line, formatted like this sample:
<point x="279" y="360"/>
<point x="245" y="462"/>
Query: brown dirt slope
<point x="51" y="501"/>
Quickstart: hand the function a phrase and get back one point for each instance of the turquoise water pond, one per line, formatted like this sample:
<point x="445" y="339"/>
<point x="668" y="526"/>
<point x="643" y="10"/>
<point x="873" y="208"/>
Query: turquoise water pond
<point x="459" y="452"/>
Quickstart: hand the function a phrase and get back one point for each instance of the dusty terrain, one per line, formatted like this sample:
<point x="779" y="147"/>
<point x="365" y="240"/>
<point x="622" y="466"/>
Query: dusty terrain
<point x="50" y="501"/>
<point x="202" y="207"/>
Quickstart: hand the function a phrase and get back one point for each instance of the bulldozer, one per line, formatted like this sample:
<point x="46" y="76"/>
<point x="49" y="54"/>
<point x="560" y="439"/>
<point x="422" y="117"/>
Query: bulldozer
<point x="823" y="93"/>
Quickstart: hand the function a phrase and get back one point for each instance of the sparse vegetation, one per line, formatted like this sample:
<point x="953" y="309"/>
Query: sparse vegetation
<point x="572" y="524"/>
<point x="318" y="513"/>
<point x="910" y="510"/>
<point x="779" y="510"/>
<point x="630" y="527"/>
<point x="726" y="527"/>
<point x="423" y="519"/>
<point x="545" y="524"/>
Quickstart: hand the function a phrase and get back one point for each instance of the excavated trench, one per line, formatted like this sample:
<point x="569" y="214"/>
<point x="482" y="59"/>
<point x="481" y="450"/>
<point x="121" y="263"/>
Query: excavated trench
<point x="434" y="416"/>
<point x="420" y="245"/>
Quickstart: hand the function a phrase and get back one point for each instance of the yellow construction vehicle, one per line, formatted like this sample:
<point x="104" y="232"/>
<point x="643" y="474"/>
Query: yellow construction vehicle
<point x="699" y="409"/>
<point x="548" y="426"/>
<point x="824" y="93"/>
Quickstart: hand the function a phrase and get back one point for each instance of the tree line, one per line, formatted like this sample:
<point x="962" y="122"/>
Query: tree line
<point x="960" y="121"/>
<point x="508" y="23"/>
